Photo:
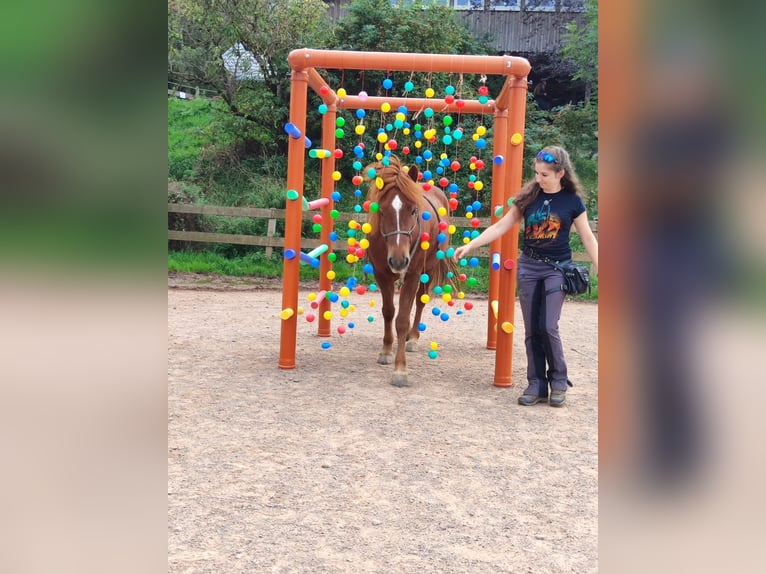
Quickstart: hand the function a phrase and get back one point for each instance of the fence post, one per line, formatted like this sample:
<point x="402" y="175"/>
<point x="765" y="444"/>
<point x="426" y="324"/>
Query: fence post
<point x="270" y="232"/>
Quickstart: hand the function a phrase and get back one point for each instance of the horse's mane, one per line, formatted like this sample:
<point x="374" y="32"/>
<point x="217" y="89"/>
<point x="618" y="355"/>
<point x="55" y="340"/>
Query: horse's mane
<point x="394" y="176"/>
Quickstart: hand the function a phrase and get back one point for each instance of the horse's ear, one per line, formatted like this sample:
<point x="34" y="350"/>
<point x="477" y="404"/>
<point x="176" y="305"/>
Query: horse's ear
<point x="413" y="173"/>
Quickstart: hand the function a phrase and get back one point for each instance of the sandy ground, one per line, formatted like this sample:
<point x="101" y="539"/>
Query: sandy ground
<point x="329" y="468"/>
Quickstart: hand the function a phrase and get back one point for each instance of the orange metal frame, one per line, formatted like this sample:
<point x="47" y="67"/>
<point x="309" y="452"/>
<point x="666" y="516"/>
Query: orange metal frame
<point x="508" y="109"/>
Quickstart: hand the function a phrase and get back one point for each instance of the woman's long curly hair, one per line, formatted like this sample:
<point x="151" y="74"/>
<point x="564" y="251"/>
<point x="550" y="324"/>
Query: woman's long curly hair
<point x="569" y="182"/>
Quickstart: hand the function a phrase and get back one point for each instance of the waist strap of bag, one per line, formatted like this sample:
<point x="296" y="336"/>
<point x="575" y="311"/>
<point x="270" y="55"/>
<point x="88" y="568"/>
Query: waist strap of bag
<point x="532" y="254"/>
<point x="529" y="252"/>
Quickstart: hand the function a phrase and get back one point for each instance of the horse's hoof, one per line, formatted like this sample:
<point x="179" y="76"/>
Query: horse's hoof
<point x="384" y="359"/>
<point x="399" y="379"/>
<point x="411" y="346"/>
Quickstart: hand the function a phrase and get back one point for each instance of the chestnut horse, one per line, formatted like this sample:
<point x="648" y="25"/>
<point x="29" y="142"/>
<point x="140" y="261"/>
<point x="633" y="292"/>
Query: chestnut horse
<point x="406" y="212"/>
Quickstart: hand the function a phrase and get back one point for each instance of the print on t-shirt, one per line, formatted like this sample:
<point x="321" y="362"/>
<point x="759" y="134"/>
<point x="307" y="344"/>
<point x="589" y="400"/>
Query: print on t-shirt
<point x="547" y="222"/>
<point x="543" y="224"/>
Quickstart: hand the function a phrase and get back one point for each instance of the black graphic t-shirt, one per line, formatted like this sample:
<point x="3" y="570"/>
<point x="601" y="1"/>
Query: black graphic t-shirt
<point x="547" y="222"/>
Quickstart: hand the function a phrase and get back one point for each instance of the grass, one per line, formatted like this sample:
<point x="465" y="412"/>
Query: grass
<point x="254" y="264"/>
<point x="257" y="264"/>
<point x="190" y="131"/>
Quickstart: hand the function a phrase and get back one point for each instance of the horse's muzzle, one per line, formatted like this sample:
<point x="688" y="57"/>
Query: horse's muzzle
<point x="398" y="264"/>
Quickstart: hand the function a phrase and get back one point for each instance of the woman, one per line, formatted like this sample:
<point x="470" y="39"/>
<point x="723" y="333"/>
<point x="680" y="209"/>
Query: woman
<point x="549" y="205"/>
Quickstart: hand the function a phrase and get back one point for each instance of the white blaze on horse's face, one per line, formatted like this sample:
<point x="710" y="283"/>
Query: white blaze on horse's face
<point x="397" y="205"/>
<point x="399" y="253"/>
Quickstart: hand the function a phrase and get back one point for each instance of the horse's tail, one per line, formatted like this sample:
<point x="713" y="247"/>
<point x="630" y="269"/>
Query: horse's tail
<point x="446" y="273"/>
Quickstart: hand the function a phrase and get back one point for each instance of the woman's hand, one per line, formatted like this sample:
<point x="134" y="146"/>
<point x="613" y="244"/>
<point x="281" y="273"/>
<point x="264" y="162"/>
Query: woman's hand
<point x="461" y="251"/>
<point x="491" y="233"/>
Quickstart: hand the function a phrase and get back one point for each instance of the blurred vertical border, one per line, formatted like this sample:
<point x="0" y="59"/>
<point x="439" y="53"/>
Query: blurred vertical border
<point x="83" y="155"/>
<point x="683" y="258"/>
<point x="80" y="140"/>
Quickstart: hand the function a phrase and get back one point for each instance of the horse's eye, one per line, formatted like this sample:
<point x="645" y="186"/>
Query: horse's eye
<point x="414" y="212"/>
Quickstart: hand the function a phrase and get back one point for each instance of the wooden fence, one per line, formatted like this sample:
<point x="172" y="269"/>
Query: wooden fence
<point x="271" y="239"/>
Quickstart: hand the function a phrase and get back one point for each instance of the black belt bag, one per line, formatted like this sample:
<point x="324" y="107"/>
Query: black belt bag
<point x="576" y="275"/>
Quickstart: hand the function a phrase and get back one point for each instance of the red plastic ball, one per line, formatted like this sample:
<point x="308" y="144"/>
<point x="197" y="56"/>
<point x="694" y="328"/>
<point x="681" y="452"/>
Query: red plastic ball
<point x="449" y="99"/>
<point x="338" y="153"/>
<point x="468" y="305"/>
<point x="453" y="204"/>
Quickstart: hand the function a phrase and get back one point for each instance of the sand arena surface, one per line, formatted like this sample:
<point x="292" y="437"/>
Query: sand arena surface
<point x="329" y="468"/>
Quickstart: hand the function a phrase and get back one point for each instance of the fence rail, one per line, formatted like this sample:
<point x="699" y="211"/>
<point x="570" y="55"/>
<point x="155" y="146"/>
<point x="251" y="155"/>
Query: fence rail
<point x="271" y="239"/>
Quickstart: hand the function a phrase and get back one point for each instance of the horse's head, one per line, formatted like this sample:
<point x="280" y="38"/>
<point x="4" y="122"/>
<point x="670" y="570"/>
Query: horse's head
<point x="399" y="199"/>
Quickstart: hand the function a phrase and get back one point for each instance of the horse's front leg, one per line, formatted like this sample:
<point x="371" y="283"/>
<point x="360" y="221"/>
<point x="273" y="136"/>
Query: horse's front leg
<point x="406" y="298"/>
<point x="386" y="356"/>
<point x="414" y="333"/>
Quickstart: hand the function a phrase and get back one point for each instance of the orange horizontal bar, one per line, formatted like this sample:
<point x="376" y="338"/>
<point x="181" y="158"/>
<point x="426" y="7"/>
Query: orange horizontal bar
<point x="438" y="105"/>
<point x="304" y="58"/>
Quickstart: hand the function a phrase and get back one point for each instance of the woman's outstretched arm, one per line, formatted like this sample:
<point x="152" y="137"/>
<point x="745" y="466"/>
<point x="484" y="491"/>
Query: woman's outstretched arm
<point x="497" y="229"/>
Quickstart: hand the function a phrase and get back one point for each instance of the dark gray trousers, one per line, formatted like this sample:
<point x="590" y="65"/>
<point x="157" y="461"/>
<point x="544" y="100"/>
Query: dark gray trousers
<point x="545" y="353"/>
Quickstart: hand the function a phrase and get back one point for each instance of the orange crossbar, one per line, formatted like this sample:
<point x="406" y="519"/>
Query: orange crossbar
<point x="438" y="105"/>
<point x="451" y="63"/>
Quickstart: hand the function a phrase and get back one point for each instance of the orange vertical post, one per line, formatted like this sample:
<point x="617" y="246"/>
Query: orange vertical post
<point x="327" y="167"/>
<point x="510" y="241"/>
<point x="499" y="178"/>
<point x="296" y="150"/>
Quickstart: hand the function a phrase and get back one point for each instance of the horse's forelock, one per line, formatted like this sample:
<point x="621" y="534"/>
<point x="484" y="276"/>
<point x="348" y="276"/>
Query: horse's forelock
<point x="394" y="177"/>
<point x="412" y="191"/>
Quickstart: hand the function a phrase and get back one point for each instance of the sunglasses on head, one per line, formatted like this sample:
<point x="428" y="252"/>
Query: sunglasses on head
<point x="546" y="157"/>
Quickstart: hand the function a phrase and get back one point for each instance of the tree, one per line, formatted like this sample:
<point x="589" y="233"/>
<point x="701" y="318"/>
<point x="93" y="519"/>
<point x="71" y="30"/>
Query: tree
<point x="201" y="31"/>
<point x="418" y="27"/>
<point x="581" y="48"/>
